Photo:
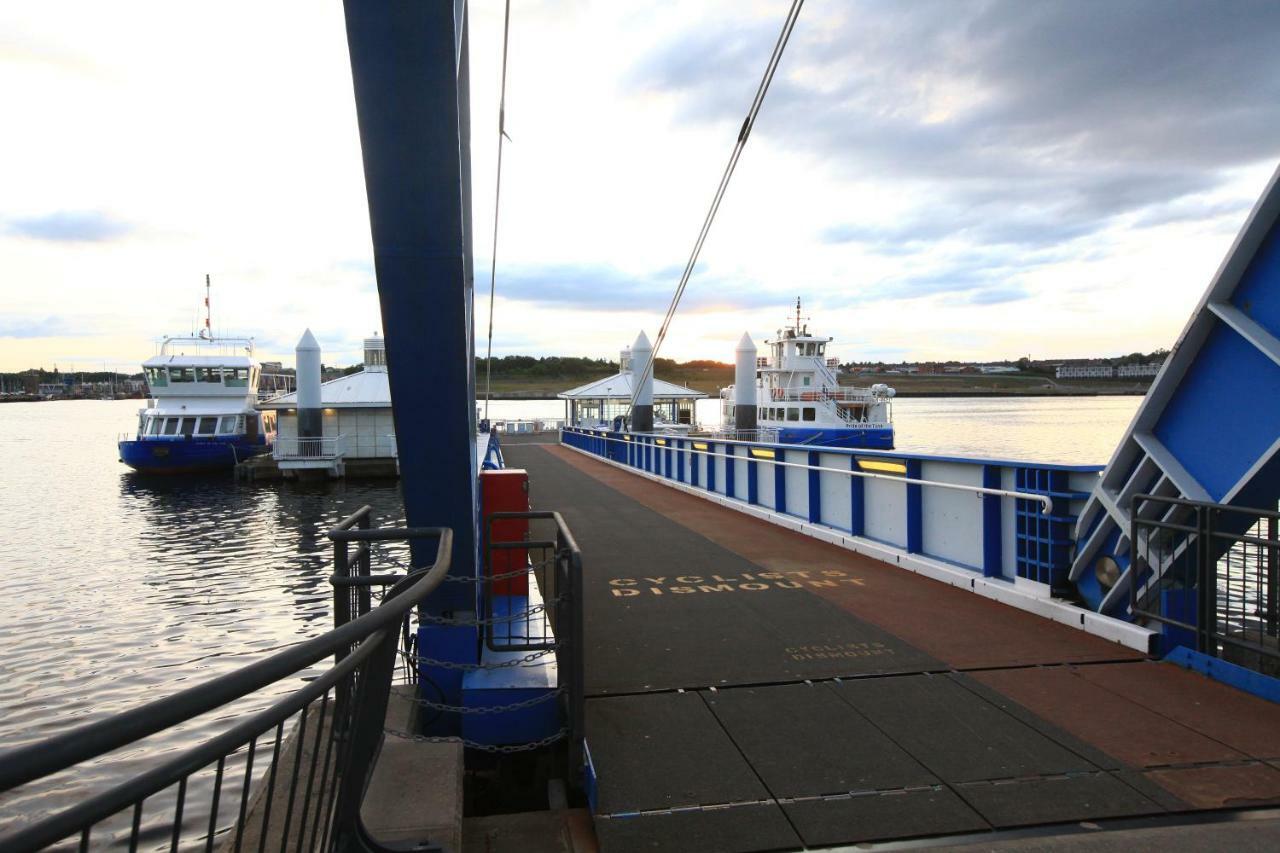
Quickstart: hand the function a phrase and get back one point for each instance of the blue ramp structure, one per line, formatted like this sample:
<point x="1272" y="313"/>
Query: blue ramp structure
<point x="1209" y="428"/>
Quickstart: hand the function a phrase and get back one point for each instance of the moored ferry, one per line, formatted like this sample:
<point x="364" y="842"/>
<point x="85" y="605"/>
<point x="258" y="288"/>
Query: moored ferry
<point x="800" y="399"/>
<point x="201" y="414"/>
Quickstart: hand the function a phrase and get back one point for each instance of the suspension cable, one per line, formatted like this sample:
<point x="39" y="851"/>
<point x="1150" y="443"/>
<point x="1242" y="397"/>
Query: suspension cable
<point x="497" y="196"/>
<point x="747" y="124"/>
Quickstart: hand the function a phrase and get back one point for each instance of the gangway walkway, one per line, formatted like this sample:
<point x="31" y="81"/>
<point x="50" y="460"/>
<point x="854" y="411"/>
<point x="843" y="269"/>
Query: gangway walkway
<point x="753" y="689"/>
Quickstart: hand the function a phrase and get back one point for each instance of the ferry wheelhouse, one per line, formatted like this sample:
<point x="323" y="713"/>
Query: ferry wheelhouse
<point x="801" y="401"/>
<point x="201" y="414"/>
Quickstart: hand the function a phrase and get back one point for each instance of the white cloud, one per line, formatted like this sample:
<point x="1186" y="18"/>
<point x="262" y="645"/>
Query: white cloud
<point x="222" y="139"/>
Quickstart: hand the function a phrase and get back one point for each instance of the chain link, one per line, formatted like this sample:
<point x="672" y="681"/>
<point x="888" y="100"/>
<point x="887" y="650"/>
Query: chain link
<point x="504" y="749"/>
<point x="495" y="620"/>
<point x="488" y="710"/>
<point x="472" y="667"/>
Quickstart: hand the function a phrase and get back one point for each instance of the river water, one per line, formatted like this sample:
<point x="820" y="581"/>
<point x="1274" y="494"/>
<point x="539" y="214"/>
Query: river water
<point x="123" y="588"/>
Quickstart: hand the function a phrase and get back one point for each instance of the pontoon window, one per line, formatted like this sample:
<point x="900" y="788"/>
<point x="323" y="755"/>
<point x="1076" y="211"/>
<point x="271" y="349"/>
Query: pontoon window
<point x="209" y="374"/>
<point x="793" y="414"/>
<point x="188" y="426"/>
<point x="171" y="426"/>
<point x="228" y="425"/>
<point x="207" y="426"/>
<point x="810" y="414"/>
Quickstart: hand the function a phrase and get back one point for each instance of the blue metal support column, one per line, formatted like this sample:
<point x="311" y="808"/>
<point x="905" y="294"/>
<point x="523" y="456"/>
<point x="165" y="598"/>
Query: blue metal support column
<point x="409" y="69"/>
<point x="992" y="554"/>
<point x="815" y="489"/>
<point x="915" y="509"/>
<point x="857" y="501"/>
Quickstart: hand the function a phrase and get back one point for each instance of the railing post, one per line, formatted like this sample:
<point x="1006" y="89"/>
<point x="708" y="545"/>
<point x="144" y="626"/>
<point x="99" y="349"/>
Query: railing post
<point x="1206" y="599"/>
<point x="1273" y="575"/>
<point x="363" y="565"/>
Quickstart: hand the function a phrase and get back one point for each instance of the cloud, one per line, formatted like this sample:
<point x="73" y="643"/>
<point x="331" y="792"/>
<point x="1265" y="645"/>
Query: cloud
<point x="1017" y="123"/>
<point x="39" y="327"/>
<point x="601" y="287"/>
<point x="70" y="226"/>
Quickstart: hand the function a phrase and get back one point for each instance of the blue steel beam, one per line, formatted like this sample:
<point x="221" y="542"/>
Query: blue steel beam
<point x="409" y="68"/>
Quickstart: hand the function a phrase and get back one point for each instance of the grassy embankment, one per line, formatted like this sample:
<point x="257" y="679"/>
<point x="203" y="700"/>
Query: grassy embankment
<point x="711" y="379"/>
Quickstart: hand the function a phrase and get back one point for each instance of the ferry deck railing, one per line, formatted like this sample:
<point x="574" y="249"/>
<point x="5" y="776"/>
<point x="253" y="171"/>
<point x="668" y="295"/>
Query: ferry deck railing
<point x="1210" y="574"/>
<point x="843" y="394"/>
<point x="312" y="784"/>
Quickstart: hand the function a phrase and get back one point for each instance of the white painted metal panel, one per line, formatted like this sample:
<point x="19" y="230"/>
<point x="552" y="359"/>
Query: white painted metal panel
<point x="740" y="485"/>
<point x="1009" y="524"/>
<point x="952" y="520"/>
<point x="764" y="484"/>
<point x="798" y="484"/>
<point x="835" y="491"/>
<point x="886" y="516"/>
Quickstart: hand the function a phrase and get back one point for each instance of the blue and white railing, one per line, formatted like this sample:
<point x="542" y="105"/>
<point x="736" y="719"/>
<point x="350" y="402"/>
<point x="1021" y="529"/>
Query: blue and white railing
<point x="998" y="527"/>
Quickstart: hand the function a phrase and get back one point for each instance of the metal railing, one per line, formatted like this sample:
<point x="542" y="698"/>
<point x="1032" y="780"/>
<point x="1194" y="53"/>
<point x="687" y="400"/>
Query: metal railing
<point x="1045" y="501"/>
<point x="1210" y="573"/>
<point x="311" y="784"/>
<point x="532" y="593"/>
<point x="275" y="385"/>
<point x="309" y="449"/>
<point x="843" y="394"/>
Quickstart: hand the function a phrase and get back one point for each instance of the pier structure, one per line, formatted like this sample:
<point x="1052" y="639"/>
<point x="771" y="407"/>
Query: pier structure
<point x="1208" y="430"/>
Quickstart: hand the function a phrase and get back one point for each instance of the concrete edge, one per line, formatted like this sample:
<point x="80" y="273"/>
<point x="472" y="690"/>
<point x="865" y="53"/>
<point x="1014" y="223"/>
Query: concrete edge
<point x="1106" y="627"/>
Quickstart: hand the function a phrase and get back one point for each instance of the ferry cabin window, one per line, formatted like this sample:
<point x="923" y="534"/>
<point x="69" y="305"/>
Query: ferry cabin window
<point x="822" y="348"/>
<point x="182" y="374"/>
<point x="207" y="426"/>
<point x="238" y="378"/>
<point x="171" y="426"/>
<point x="153" y="426"/>
<point x="806" y="380"/>
<point x="810" y="414"/>
<point x="188" y="426"/>
<point x="793" y="414"/>
<point x="228" y="425"/>
<point x="209" y="374"/>
<point x="157" y="377"/>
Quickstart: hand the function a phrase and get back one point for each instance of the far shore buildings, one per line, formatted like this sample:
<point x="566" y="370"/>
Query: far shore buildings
<point x="1107" y="371"/>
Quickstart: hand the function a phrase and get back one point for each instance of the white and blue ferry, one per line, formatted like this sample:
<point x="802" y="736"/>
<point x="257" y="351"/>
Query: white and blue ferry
<point x="801" y="401"/>
<point x="201" y="414"/>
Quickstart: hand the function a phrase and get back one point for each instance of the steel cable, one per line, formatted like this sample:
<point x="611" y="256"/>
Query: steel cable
<point x="743" y="134"/>
<point x="497" y="196"/>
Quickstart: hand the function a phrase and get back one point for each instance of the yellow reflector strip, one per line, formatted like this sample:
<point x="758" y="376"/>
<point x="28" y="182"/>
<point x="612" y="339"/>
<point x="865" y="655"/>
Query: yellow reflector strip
<point x="698" y="445"/>
<point x="626" y="438"/>
<point x="882" y="466"/>
<point x="660" y="441"/>
<point x="761" y="454"/>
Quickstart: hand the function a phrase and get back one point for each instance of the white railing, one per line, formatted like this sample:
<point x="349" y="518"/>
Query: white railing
<point x="275" y="385"/>
<point x="307" y="449"/>
<point x="810" y="395"/>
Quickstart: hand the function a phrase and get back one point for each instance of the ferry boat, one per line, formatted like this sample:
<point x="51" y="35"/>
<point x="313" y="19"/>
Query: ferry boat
<point x="800" y="399"/>
<point x="201" y="415"/>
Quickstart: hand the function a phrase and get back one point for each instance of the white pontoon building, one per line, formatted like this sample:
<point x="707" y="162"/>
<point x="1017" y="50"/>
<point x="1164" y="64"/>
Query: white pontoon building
<point x="604" y="401"/>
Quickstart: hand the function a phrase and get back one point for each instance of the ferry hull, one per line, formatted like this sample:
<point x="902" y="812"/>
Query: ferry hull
<point x="870" y="438"/>
<point x="185" y="457"/>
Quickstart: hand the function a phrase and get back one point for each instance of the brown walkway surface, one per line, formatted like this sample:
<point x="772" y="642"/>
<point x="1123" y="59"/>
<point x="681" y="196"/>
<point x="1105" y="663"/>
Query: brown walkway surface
<point x="754" y="689"/>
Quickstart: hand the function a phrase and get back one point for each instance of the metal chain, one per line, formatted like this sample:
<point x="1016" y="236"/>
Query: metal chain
<point x="544" y="564"/>
<point x="486" y="710"/>
<point x="472" y="667"/>
<point x="496" y="620"/>
<point x="504" y="749"/>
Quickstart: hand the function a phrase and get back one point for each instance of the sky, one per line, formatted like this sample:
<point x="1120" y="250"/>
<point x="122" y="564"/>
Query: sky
<point x="971" y="180"/>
